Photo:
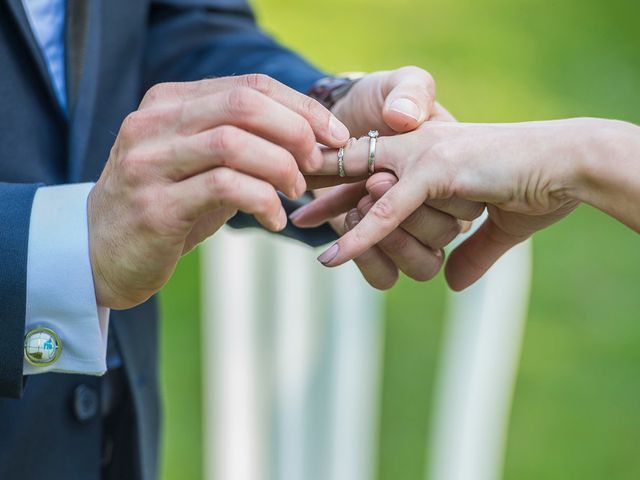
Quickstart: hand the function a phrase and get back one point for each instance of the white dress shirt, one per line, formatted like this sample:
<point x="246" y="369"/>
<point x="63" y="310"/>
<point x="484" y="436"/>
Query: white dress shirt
<point x="60" y="290"/>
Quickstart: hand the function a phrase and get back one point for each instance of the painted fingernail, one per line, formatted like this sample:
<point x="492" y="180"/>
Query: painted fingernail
<point x="380" y="188"/>
<point x="329" y="254"/>
<point x="406" y="107"/>
<point x="339" y="132"/>
<point x="297" y="213"/>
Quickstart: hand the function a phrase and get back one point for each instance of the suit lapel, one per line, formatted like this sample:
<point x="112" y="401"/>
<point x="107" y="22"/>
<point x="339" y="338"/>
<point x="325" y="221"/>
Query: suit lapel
<point x="84" y="81"/>
<point x="22" y="21"/>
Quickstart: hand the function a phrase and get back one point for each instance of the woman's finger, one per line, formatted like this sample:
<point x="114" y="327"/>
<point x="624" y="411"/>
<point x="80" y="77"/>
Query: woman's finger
<point x="456" y="207"/>
<point x="428" y="226"/>
<point x="356" y="157"/>
<point x="413" y="258"/>
<point x="331" y="204"/>
<point x="376" y="267"/>
<point x="471" y="259"/>
<point x="384" y="216"/>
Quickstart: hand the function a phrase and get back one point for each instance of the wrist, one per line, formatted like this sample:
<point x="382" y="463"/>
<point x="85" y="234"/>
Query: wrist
<point x="602" y="164"/>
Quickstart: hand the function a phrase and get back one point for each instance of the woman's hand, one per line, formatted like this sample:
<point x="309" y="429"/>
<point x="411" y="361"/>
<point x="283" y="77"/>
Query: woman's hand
<point x="393" y="102"/>
<point x="529" y="175"/>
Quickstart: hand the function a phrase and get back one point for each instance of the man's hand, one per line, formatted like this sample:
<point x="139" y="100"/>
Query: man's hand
<point x="392" y="102"/>
<point x="186" y="162"/>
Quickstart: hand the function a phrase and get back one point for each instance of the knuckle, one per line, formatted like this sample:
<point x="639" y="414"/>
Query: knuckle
<point x="242" y="100"/>
<point x="383" y="211"/>
<point x="158" y="92"/>
<point x="260" y="82"/>
<point x="397" y="243"/>
<point x="224" y="139"/>
<point x="221" y="183"/>
<point x="302" y="135"/>
<point x="312" y="110"/>
<point x="134" y="167"/>
<point x="132" y="125"/>
<point x="289" y="170"/>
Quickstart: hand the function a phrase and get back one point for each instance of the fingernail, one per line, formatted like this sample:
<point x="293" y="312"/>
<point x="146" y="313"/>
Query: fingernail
<point x="339" y="132"/>
<point x="297" y="213"/>
<point x="329" y="255"/>
<point x="380" y="188"/>
<point x="406" y="107"/>
<point x="301" y="185"/>
<point x="282" y="219"/>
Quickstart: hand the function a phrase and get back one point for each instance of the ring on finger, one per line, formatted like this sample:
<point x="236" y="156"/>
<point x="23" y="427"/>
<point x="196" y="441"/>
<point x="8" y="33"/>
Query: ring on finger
<point x="371" y="162"/>
<point x="341" y="172"/>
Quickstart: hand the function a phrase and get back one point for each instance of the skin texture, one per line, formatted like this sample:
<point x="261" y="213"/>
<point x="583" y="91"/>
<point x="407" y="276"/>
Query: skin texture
<point x="529" y="176"/>
<point x="392" y="102"/>
<point x="185" y="162"/>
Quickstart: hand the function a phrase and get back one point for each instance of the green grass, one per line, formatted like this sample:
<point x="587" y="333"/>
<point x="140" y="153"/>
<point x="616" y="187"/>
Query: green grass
<point x="575" y="413"/>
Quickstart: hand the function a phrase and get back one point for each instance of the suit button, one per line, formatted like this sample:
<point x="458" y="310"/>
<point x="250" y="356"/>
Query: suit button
<point x="85" y="403"/>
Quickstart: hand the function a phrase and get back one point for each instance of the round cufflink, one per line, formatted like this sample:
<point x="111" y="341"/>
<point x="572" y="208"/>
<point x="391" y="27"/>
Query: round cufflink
<point x="42" y="347"/>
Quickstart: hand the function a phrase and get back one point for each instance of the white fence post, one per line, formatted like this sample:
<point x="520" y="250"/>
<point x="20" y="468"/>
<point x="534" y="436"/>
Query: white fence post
<point x="291" y="385"/>
<point x="477" y="373"/>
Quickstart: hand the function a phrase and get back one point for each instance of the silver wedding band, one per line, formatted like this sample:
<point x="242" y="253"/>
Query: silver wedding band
<point x="341" y="172"/>
<point x="373" y="137"/>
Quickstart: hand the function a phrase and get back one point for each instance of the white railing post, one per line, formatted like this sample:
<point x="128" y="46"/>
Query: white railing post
<point x="477" y="373"/>
<point x="291" y="385"/>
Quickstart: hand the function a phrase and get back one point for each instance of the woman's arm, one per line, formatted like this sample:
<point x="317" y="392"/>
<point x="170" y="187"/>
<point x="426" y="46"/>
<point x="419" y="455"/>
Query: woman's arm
<point x="609" y="173"/>
<point x="529" y="175"/>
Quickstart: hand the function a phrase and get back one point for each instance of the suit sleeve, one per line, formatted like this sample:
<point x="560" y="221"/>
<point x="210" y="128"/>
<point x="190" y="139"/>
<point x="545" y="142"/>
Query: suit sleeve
<point x="15" y="212"/>
<point x="194" y="39"/>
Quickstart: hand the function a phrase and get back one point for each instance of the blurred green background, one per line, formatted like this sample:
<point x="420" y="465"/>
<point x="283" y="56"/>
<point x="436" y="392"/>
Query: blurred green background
<point x="576" y="412"/>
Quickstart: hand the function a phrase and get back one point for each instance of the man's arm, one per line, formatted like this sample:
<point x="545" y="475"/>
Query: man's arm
<point x="15" y="211"/>
<point x="46" y="282"/>
<point x="195" y="39"/>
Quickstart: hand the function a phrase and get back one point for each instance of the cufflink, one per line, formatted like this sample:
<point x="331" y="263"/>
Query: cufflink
<point x="42" y="347"/>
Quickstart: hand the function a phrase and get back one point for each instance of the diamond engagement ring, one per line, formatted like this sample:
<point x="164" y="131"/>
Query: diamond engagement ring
<point x="371" y="164"/>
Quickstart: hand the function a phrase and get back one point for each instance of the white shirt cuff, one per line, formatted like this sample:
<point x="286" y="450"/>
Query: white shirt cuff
<point x="60" y="290"/>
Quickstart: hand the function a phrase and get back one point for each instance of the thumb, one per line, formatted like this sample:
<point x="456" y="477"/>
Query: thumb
<point x="471" y="259"/>
<point x="409" y="98"/>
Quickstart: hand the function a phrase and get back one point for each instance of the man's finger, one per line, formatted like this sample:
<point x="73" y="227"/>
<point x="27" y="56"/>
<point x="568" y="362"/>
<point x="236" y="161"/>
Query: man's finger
<point x="384" y="216"/>
<point x="409" y="97"/>
<point x="331" y="204"/>
<point x="376" y="267"/>
<point x="469" y="261"/>
<point x="226" y="188"/>
<point x="326" y="127"/>
<point x="252" y="111"/>
<point x="235" y="148"/>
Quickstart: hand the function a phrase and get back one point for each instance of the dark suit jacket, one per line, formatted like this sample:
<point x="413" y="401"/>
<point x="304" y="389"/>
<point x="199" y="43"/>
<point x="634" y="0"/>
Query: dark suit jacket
<point x="129" y="45"/>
